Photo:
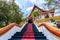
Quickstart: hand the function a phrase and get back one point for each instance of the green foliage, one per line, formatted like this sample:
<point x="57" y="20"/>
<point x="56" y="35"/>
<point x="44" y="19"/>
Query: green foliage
<point x="51" y="20"/>
<point x="10" y="13"/>
<point x="48" y="4"/>
<point x="17" y="18"/>
<point x="52" y="4"/>
<point x="1" y="25"/>
<point x="57" y="21"/>
<point x="35" y="13"/>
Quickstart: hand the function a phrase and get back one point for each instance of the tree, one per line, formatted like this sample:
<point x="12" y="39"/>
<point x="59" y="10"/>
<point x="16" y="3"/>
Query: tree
<point x="4" y="10"/>
<point x="35" y="13"/>
<point x="57" y="4"/>
<point x="48" y="3"/>
<point x="18" y="15"/>
<point x="10" y="13"/>
<point x="53" y="3"/>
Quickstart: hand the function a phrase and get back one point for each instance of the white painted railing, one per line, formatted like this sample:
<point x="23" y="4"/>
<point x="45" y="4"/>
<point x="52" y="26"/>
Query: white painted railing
<point x="46" y="33"/>
<point x="11" y="32"/>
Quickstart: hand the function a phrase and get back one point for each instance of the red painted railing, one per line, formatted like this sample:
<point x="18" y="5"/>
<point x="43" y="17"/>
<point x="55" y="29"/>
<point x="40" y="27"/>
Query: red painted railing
<point x="7" y="28"/>
<point x="52" y="29"/>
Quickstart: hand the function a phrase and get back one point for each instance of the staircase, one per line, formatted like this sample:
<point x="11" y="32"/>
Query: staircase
<point x="34" y="34"/>
<point x="38" y="35"/>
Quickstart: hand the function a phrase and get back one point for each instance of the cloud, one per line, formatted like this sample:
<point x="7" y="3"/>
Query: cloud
<point x="29" y="8"/>
<point x="27" y="5"/>
<point x="27" y="11"/>
<point x="37" y="1"/>
<point x="32" y="1"/>
<point x="17" y="3"/>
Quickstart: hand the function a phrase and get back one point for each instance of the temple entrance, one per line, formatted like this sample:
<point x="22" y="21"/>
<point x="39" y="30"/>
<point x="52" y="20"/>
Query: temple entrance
<point x="30" y="20"/>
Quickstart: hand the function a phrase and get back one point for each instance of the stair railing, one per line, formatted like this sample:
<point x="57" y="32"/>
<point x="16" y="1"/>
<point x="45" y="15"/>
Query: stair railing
<point x="55" y="31"/>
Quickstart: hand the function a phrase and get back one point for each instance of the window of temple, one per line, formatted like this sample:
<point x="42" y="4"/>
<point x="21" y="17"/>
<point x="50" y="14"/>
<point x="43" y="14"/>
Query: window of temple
<point x="47" y="16"/>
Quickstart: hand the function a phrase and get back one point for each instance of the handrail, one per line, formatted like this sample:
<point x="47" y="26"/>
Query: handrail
<point x="7" y="28"/>
<point x="45" y="19"/>
<point x="52" y="29"/>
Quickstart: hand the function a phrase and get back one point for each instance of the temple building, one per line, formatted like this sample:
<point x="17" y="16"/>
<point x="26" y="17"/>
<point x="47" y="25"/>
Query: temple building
<point x="42" y="13"/>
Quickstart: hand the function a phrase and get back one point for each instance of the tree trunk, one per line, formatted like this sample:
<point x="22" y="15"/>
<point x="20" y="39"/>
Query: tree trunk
<point x="6" y="23"/>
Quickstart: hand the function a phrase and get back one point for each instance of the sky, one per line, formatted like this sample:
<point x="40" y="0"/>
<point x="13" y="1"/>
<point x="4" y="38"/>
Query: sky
<point x="27" y="5"/>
